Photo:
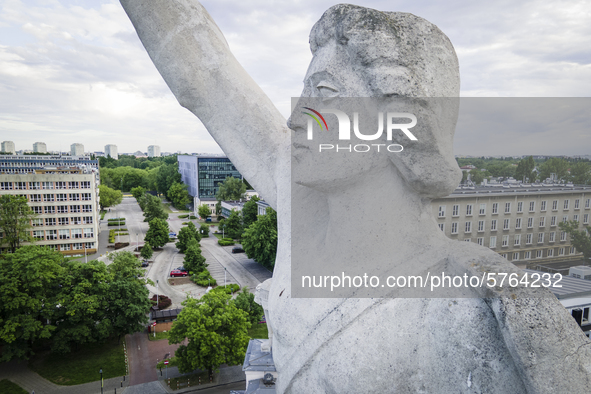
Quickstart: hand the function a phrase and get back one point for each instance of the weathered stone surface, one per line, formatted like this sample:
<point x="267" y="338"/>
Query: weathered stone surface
<point x="518" y="342"/>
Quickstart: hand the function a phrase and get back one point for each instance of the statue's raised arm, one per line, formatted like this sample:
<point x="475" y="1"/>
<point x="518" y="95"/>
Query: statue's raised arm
<point x="194" y="59"/>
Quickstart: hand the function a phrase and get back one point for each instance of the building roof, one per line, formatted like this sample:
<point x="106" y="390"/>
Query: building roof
<point x="257" y="360"/>
<point x="571" y="287"/>
<point x="517" y="189"/>
<point x="165" y="314"/>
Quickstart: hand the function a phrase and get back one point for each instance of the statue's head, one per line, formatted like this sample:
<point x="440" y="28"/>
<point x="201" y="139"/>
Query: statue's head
<point x="361" y="52"/>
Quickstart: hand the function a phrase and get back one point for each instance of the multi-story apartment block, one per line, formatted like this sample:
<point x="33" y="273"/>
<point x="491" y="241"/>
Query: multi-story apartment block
<point x="77" y="150"/>
<point x="520" y="223"/>
<point x="40" y="147"/>
<point x="8" y="147"/>
<point x="28" y="164"/>
<point x="66" y="204"/>
<point x="111" y="150"/>
<point x="153" y="151"/>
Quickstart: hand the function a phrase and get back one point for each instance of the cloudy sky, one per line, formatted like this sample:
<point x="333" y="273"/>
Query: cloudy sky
<point x="75" y="71"/>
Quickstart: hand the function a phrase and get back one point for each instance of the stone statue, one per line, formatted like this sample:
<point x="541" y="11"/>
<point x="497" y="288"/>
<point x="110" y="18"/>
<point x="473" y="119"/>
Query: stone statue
<point x="521" y="341"/>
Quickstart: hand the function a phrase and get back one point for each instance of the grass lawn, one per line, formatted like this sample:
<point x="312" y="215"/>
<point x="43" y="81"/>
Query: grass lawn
<point x="7" y="387"/>
<point x="218" y="235"/>
<point x="258" y="331"/>
<point x="81" y="366"/>
<point x="159" y="336"/>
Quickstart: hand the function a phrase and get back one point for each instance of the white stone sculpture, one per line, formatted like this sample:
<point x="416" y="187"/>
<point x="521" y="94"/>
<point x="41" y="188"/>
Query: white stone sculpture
<point x="513" y="342"/>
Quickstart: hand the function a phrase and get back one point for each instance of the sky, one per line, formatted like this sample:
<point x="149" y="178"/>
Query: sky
<point x="74" y="71"/>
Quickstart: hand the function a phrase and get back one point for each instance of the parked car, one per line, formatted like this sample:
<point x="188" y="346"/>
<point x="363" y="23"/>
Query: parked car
<point x="145" y="263"/>
<point x="178" y="273"/>
<point x="181" y="268"/>
<point x="237" y="249"/>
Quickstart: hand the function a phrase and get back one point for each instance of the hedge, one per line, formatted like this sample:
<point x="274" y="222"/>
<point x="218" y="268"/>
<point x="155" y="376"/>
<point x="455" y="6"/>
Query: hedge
<point x="228" y="289"/>
<point x="204" y="279"/>
<point x="183" y="216"/>
<point x="225" y="242"/>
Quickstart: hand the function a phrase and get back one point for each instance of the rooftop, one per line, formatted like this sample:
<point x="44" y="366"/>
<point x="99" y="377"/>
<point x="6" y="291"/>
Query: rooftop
<point x="522" y="189"/>
<point x="571" y="287"/>
<point x="257" y="360"/>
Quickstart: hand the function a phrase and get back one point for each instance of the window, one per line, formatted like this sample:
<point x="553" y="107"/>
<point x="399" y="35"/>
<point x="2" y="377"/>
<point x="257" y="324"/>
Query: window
<point x="586" y="218"/>
<point x="520" y="207"/>
<point x="553" y="221"/>
<point x="492" y="242"/>
<point x="86" y="196"/>
<point x="482" y="210"/>
<point x="74" y="208"/>
<point x="577" y="204"/>
<point x="441" y="211"/>
<point x="73" y="185"/>
<point x="507" y="207"/>
<point x="441" y="226"/>
<point x="480" y="226"/>
<point x="493" y="225"/>
<point x="76" y="220"/>
<point x="64" y="234"/>
<point x="49" y="209"/>
<point x="576" y="218"/>
<point x="550" y="253"/>
<point x="48" y="198"/>
<point x="455" y="210"/>
<point x="565" y="219"/>
<point x="50" y="221"/>
<point x="62" y="209"/>
<point x="587" y="203"/>
<point x="87" y="220"/>
<point x="47" y="185"/>
<point x="527" y="255"/>
<point x="505" y="241"/>
<point x="37" y="210"/>
<point x="20" y="185"/>
<point x="51" y="235"/>
<point x="35" y="197"/>
<point x="555" y="205"/>
<point x="530" y="222"/>
<point x="61" y="197"/>
<point x="528" y="238"/>
<point x="34" y="185"/>
<point x="65" y="247"/>
<point x="469" y="210"/>
<point x="542" y="221"/>
<point x="77" y="246"/>
<point x="515" y="256"/>
<point x="539" y="254"/>
<point x="518" y="223"/>
<point x="565" y="204"/>
<point x="543" y="207"/>
<point x="88" y="233"/>
<point x="495" y="208"/>
<point x="74" y="197"/>
<point x="63" y="221"/>
<point x="37" y="222"/>
<point x="77" y="233"/>
<point x="540" y="238"/>
<point x="506" y="224"/>
<point x="562" y="236"/>
<point x="454" y="228"/>
<point x="552" y="236"/>
<point x="532" y="206"/>
<point x="504" y="255"/>
<point x="561" y="251"/>
<point x="5" y="185"/>
<point x="468" y="227"/>
<point x="38" y="234"/>
<point x="480" y="241"/>
<point x="89" y="245"/>
<point x="573" y="250"/>
<point x="85" y="185"/>
<point x="86" y="208"/>
<point x="517" y="240"/>
<point x="61" y="185"/>
<point x="467" y="239"/>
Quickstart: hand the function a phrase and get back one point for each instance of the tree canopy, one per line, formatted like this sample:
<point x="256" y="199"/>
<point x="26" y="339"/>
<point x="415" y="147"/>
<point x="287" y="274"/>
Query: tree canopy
<point x="204" y="211"/>
<point x="157" y="235"/>
<point x="194" y="261"/>
<point x="152" y="207"/>
<point x="250" y="211"/>
<point x="260" y="239"/>
<point x="231" y="189"/>
<point x="580" y="239"/>
<point x="15" y="221"/>
<point x="185" y="235"/>
<point x="245" y="301"/>
<point x="232" y="226"/>
<point x="178" y="195"/>
<point x="109" y="197"/>
<point x="525" y="170"/>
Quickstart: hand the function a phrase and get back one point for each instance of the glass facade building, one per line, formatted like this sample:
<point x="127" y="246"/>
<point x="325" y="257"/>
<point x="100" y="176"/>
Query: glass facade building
<point x="204" y="174"/>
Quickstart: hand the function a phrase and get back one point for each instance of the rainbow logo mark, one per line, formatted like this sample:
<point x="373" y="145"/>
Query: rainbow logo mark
<point x="315" y="118"/>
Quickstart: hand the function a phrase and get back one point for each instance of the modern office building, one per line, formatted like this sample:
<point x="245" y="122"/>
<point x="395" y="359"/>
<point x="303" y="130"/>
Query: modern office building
<point x="520" y="222"/>
<point x="39" y="147"/>
<point x="8" y="147"/>
<point x="153" y="151"/>
<point x="111" y="150"/>
<point x="28" y="164"/>
<point x="77" y="150"/>
<point x="66" y="204"/>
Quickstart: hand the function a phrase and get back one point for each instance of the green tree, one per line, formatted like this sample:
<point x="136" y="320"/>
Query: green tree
<point x="109" y="197"/>
<point x="138" y="192"/>
<point x="580" y="239"/>
<point x="185" y="235"/>
<point x="580" y="173"/>
<point x="232" y="226"/>
<point x="194" y="261"/>
<point x="15" y="221"/>
<point x="147" y="251"/>
<point x="231" y="189"/>
<point x="204" y="211"/>
<point x="157" y="234"/>
<point x="250" y="211"/>
<point x="476" y="176"/>
<point x="29" y="283"/>
<point x="525" y="170"/>
<point x="153" y="208"/>
<point x="178" y="195"/>
<point x="260" y="239"/>
<point x="245" y="301"/>
<point x="204" y="230"/>
<point x="554" y="165"/>
<point x="167" y="175"/>
<point x="216" y="331"/>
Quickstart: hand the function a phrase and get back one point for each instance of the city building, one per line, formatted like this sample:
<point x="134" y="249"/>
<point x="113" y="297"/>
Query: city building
<point x="66" y="204"/>
<point x="153" y="151"/>
<point x="203" y="174"/>
<point x="229" y="206"/>
<point x="77" y="150"/>
<point x="28" y="164"/>
<point x="8" y="147"/>
<point x="39" y="147"/>
<point x="262" y="207"/>
<point x="111" y="150"/>
<point x="520" y="222"/>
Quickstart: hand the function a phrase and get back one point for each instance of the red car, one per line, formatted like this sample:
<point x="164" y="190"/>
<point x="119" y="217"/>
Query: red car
<point x="178" y="273"/>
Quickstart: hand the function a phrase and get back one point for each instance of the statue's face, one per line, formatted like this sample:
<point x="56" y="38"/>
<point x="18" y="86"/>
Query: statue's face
<point x="427" y="165"/>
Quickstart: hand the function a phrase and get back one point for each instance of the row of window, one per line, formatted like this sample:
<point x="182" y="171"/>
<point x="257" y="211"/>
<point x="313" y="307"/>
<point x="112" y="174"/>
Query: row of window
<point x="44" y="185"/>
<point x="518" y="239"/>
<point x="455" y="212"/>
<point x="507" y="223"/>
<point x="538" y="254"/>
<point x="50" y="235"/>
<point x="51" y="209"/>
<point x="73" y="246"/>
<point x="60" y="197"/>
<point x="61" y="221"/>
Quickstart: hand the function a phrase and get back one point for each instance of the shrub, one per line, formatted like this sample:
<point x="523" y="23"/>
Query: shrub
<point x="163" y="301"/>
<point x="204" y="279"/>
<point x="183" y="216"/>
<point x="192" y="217"/>
<point x="228" y="289"/>
<point x="225" y="242"/>
<point x="116" y="223"/>
<point x="111" y="236"/>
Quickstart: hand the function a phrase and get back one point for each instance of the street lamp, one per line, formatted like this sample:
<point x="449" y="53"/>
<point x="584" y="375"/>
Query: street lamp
<point x="137" y="246"/>
<point x="225" y="270"/>
<point x="101" y="372"/>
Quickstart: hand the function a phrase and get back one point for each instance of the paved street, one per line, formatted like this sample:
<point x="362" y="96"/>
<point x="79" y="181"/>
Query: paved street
<point x="143" y="355"/>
